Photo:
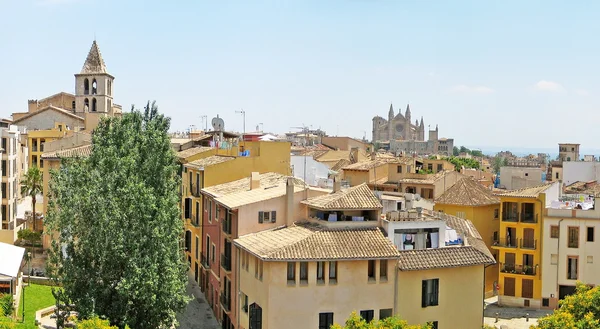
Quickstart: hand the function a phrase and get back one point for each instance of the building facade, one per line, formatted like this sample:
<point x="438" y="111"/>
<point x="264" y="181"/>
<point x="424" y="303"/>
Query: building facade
<point x="514" y="178"/>
<point x="11" y="146"/>
<point x="519" y="244"/>
<point x="398" y="126"/>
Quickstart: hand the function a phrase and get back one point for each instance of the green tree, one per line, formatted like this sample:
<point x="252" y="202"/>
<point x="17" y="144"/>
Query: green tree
<point x="6" y="323"/>
<point x="580" y="310"/>
<point x="32" y="237"/>
<point x="31" y="185"/>
<point x="6" y="304"/>
<point x="499" y="162"/>
<point x="356" y="322"/>
<point x="464" y="150"/>
<point x="455" y="151"/>
<point x="476" y="153"/>
<point x="95" y="323"/>
<point x="118" y="220"/>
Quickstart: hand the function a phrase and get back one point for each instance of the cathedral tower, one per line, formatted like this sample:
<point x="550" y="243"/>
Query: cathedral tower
<point x="390" y="126"/>
<point x="407" y="131"/>
<point x="93" y="85"/>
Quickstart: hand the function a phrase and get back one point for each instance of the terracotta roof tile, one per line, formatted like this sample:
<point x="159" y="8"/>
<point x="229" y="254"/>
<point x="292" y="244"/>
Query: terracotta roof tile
<point x="304" y="241"/>
<point x="81" y="151"/>
<point x="340" y="164"/>
<point x="528" y="192"/>
<point x="370" y="164"/>
<point x="468" y="192"/>
<point x="412" y="260"/>
<point x="357" y="197"/>
<point x="267" y="181"/>
<point x="209" y="161"/>
<point x="192" y="151"/>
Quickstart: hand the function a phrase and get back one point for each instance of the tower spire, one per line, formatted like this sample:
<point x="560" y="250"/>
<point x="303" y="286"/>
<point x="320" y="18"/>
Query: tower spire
<point x="94" y="62"/>
<point x="407" y="115"/>
<point x="391" y="112"/>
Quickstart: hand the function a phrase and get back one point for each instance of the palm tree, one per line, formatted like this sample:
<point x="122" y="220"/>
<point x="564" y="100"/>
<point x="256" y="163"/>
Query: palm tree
<point x="31" y="185"/>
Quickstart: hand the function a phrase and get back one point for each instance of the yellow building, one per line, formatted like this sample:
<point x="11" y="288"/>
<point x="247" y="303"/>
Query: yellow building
<point x="38" y="138"/>
<point x="470" y="200"/>
<point x="519" y="244"/>
<point x="218" y="166"/>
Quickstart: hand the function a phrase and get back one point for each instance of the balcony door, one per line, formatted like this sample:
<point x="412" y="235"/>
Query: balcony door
<point x="255" y="316"/>
<point x="528" y="240"/>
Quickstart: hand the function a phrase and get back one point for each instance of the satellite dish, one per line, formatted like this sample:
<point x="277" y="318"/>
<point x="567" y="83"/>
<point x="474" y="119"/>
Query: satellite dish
<point x="218" y="124"/>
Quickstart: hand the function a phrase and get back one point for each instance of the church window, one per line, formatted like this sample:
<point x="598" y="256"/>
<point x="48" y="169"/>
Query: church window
<point x="94" y="105"/>
<point x="94" y="87"/>
<point x="86" y="87"/>
<point x="86" y="104"/>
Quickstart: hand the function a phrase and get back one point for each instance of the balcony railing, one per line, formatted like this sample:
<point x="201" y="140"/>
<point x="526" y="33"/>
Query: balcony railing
<point x="528" y="244"/>
<point x="528" y="217"/>
<point x="510" y="217"/>
<point x="225" y="302"/>
<point x="195" y="190"/>
<point x="518" y="269"/>
<point x="226" y="262"/>
<point x="205" y="262"/>
<point x="507" y="243"/>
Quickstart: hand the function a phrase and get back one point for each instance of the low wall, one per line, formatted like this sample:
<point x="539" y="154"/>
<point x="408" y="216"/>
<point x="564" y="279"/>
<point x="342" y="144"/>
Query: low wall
<point x="39" y="280"/>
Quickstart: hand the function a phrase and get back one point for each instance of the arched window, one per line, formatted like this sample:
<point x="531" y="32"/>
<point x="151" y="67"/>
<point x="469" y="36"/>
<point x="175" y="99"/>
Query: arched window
<point x="73" y="105"/>
<point x="86" y="104"/>
<point x="94" y="105"/>
<point x="94" y="87"/>
<point x="86" y="87"/>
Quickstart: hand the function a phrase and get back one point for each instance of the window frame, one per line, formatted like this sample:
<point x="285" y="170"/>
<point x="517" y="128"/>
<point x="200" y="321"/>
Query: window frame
<point x="303" y="275"/>
<point x="291" y="273"/>
<point x="367" y="315"/>
<point x="383" y="269"/>
<point x="591" y="229"/>
<point x="371" y="269"/>
<point x="554" y="231"/>
<point x="333" y="265"/>
<point x="430" y="298"/>
<point x="573" y="243"/>
<point x="576" y="258"/>
<point x="320" y="272"/>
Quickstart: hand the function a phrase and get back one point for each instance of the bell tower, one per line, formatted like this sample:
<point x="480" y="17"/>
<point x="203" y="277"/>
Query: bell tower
<point x="93" y="85"/>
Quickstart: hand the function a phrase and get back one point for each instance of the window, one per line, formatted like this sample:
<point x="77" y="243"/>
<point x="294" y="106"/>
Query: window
<point x="383" y="265"/>
<point x="433" y="325"/>
<point x="4" y="145"/>
<point x="197" y="213"/>
<point x="527" y="288"/>
<point x="3" y="167"/>
<point x="371" y="270"/>
<point x="399" y="169"/>
<point x="244" y="302"/>
<point x="332" y="272"/>
<point x="4" y="195"/>
<point x="496" y="213"/>
<point x="261" y="217"/>
<point x="291" y="272"/>
<point x="258" y="269"/>
<point x="368" y="315"/>
<point x="430" y="290"/>
<point x="590" y="259"/>
<point x="573" y="237"/>
<point x="572" y="267"/>
<point x="266" y="216"/>
<point x="214" y="252"/>
<point x="526" y="174"/>
<point x="325" y="320"/>
<point x="207" y="250"/>
<point x="94" y="105"/>
<point x="304" y="272"/>
<point x="210" y="211"/>
<point x="385" y="313"/>
<point x="554" y="231"/>
<point x="590" y="234"/>
<point x="188" y="208"/>
<point x="273" y="216"/>
<point x="545" y="302"/>
<point x="320" y="271"/>
<point x="197" y="247"/>
<point x="440" y="167"/>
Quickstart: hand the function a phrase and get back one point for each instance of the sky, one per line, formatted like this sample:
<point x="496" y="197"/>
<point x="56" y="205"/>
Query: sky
<point x="504" y="74"/>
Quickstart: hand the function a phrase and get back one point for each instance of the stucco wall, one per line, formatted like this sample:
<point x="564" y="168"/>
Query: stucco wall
<point x="460" y="297"/>
<point x="46" y="120"/>
<point x="518" y="177"/>
<point x="580" y="171"/>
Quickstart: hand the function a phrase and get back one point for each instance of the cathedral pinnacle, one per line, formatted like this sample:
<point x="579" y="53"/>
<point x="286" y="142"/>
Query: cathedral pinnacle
<point x="94" y="62"/>
<point x="391" y="112"/>
<point x="407" y="115"/>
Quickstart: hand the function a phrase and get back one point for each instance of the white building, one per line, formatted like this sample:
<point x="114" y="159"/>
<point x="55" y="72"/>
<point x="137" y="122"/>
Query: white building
<point x="514" y="178"/>
<point x="313" y="172"/>
<point x="11" y="171"/>
<point x="570" y="250"/>
<point x="580" y="171"/>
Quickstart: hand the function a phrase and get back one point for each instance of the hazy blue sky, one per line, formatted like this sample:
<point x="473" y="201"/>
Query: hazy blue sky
<point x="490" y="73"/>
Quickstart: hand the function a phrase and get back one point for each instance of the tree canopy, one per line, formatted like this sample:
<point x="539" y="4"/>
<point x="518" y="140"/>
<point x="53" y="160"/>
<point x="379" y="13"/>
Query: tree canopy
<point x="32" y="185"/>
<point x="462" y="162"/>
<point x="118" y="253"/>
<point x="356" y="322"/>
<point x="580" y="310"/>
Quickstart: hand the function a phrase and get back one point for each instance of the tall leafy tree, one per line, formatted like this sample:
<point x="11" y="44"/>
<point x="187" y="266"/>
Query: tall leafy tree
<point x="31" y="185"/>
<point x="580" y="310"/>
<point x="118" y="253"/>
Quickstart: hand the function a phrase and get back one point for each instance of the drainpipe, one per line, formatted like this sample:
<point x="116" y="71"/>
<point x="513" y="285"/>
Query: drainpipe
<point x="395" y="311"/>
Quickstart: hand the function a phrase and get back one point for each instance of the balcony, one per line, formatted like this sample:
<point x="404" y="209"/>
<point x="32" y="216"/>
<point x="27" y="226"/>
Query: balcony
<point x="518" y="269"/>
<point x="205" y="262"/>
<point x="226" y="262"/>
<point x="195" y="190"/>
<point x="225" y="302"/>
<point x="506" y="243"/>
<point x="510" y="217"/>
<point x="528" y="217"/>
<point x="528" y="244"/>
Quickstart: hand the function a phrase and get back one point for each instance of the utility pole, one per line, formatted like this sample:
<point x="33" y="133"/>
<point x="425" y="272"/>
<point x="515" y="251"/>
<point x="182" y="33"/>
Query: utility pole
<point x="244" y="118"/>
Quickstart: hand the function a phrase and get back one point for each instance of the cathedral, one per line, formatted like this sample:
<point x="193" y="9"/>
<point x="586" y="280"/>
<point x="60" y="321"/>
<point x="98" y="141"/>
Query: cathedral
<point x="398" y="127"/>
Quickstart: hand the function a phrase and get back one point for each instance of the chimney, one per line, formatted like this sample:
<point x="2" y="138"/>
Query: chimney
<point x="373" y="156"/>
<point x="254" y="181"/>
<point x="337" y="185"/>
<point x="354" y="155"/>
<point x="289" y="200"/>
<point x="419" y="212"/>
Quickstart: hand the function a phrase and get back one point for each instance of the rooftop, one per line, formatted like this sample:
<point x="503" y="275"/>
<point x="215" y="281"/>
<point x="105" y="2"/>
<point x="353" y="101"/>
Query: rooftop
<point x="209" y="161"/>
<point x="340" y="164"/>
<point x="359" y="197"/>
<point x="304" y="241"/>
<point x="79" y="151"/>
<point x="467" y="192"/>
<point x="267" y="180"/>
<point x="370" y="164"/>
<point x="528" y="192"/>
<point x="192" y="151"/>
<point x="11" y="258"/>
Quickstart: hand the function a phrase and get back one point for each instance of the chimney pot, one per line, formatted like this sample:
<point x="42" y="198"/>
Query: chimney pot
<point x="254" y="181"/>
